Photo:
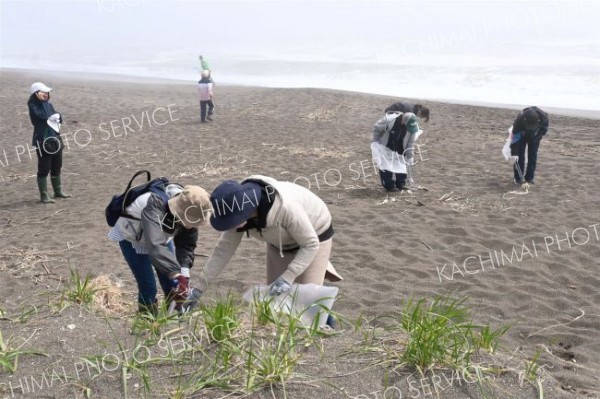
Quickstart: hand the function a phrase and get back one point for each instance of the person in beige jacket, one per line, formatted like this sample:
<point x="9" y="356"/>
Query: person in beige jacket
<point x="294" y="223"/>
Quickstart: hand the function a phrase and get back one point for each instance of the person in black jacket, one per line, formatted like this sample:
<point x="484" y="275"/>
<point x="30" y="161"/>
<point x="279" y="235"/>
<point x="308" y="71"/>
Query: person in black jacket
<point x="528" y="129"/>
<point x="160" y="234"/>
<point x="404" y="106"/>
<point x="46" y="139"/>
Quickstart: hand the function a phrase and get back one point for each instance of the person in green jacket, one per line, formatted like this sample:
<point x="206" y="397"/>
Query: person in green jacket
<point x="204" y="65"/>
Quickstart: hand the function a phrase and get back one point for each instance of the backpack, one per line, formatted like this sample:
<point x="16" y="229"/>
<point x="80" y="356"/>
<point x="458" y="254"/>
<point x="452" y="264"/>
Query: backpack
<point x="116" y="207"/>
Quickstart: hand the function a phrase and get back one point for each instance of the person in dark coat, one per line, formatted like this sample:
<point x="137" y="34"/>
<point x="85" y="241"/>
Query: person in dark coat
<point x="528" y="129"/>
<point x="419" y="110"/>
<point x="47" y="141"/>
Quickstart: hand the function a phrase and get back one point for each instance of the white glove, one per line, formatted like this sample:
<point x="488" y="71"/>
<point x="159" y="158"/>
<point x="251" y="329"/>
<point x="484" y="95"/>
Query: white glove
<point x="279" y="286"/>
<point x="55" y="118"/>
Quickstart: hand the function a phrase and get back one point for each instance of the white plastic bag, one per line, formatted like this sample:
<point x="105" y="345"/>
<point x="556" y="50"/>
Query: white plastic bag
<point x="307" y="301"/>
<point x="54" y="122"/>
<point x="506" y="149"/>
<point x="386" y="159"/>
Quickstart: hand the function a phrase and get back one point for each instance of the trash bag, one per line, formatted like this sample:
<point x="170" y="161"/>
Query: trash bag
<point x="310" y="302"/>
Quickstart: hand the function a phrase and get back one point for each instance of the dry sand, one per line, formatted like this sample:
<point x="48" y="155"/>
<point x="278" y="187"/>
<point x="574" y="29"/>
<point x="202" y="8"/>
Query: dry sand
<point x="388" y="247"/>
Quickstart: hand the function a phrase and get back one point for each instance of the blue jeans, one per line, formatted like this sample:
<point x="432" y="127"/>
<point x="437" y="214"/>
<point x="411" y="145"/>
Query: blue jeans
<point x="142" y="270"/>
<point x="533" y="144"/>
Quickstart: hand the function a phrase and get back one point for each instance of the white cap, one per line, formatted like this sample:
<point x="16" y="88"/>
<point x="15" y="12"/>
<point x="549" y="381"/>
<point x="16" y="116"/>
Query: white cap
<point x="39" y="86"/>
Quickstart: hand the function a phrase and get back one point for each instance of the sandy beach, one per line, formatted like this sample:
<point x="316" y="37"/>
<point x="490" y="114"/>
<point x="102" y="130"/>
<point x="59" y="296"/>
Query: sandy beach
<point x="527" y="259"/>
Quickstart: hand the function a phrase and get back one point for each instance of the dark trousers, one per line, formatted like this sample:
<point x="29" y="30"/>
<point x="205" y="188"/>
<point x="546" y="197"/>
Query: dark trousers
<point x="387" y="180"/>
<point x="142" y="270"/>
<point x="49" y="163"/>
<point x="204" y="105"/>
<point x="531" y="144"/>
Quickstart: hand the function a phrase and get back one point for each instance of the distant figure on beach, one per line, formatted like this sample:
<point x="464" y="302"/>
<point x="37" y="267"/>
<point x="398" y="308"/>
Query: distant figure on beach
<point x="205" y="93"/>
<point x="527" y="131"/>
<point x="204" y="65"/>
<point x="294" y="223"/>
<point x="46" y="139"/>
<point x="161" y="235"/>
<point x="394" y="136"/>
<point x="404" y="106"/>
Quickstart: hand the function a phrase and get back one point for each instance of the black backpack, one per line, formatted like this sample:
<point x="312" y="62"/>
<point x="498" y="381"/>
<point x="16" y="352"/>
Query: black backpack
<point x="116" y="207"/>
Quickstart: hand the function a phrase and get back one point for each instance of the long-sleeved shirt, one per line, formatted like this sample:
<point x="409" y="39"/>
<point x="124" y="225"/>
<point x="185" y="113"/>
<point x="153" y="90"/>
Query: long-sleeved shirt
<point x="205" y="89"/>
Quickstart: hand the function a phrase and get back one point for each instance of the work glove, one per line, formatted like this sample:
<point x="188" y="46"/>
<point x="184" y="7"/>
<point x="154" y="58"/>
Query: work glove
<point x="182" y="286"/>
<point x="183" y="298"/>
<point x="279" y="286"/>
<point x="55" y="118"/>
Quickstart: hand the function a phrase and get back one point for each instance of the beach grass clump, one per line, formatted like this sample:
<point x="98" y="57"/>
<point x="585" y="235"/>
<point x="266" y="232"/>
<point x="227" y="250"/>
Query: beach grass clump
<point x="532" y="367"/>
<point x="222" y="318"/>
<point x="428" y="333"/>
<point x="153" y="323"/>
<point x="272" y="360"/>
<point x="263" y="310"/>
<point x="438" y="332"/>
<point x="488" y="338"/>
<point x="80" y="289"/>
<point x="9" y="354"/>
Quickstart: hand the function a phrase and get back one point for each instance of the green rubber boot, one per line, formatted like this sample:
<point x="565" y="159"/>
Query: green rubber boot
<point x="43" y="187"/>
<point x="57" y="188"/>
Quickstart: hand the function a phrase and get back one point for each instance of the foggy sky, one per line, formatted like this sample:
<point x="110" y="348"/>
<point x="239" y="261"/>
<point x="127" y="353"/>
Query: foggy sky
<point x="226" y="28"/>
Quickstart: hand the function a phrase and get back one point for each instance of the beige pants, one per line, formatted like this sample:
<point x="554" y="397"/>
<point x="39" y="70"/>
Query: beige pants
<point x="314" y="273"/>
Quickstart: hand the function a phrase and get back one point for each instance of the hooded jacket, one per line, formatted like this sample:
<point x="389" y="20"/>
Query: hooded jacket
<point x="153" y="229"/>
<point x="296" y="218"/>
<point x="39" y="112"/>
<point x="402" y="106"/>
<point x="519" y="123"/>
<point x="400" y="141"/>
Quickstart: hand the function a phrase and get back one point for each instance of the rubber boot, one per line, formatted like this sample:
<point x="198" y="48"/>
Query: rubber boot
<point x="57" y="188"/>
<point x="43" y="187"/>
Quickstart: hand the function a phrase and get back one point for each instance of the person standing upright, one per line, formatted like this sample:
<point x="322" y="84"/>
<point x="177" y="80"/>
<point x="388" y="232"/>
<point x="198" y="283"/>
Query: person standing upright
<point x="47" y="141"/>
<point x="528" y="129"/>
<point x="205" y="93"/>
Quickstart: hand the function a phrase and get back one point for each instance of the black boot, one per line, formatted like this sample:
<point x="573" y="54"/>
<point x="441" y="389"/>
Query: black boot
<point x="149" y="309"/>
<point x="43" y="187"/>
<point x="56" y="185"/>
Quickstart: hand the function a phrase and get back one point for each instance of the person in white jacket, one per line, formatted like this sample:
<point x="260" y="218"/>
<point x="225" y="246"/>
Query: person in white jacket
<point x="294" y="223"/>
<point x="392" y="146"/>
<point x="205" y="94"/>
